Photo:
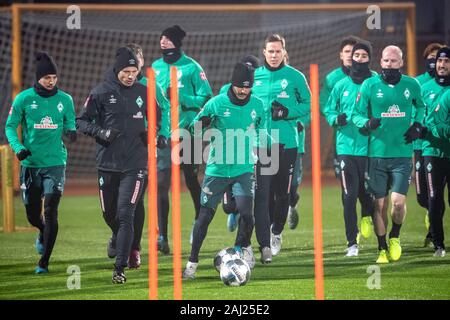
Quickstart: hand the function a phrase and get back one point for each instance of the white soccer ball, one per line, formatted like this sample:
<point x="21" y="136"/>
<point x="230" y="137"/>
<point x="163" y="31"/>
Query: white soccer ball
<point x="223" y="256"/>
<point x="235" y="272"/>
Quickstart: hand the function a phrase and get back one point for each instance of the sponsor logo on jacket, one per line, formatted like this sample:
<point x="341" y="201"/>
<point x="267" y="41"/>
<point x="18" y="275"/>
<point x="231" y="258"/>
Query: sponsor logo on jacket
<point x="46" y="123"/>
<point x="393" y="112"/>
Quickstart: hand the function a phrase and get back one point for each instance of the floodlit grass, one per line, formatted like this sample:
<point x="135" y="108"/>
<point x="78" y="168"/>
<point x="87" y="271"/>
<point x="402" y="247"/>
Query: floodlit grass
<point x="83" y="237"/>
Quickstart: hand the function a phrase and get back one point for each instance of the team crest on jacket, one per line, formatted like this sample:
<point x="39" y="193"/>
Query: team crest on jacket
<point x="406" y="93"/>
<point x="34" y="105"/>
<point x="179" y="75"/>
<point x="284" y="84"/>
<point x="60" y="107"/>
<point x="380" y="94"/>
<point x="139" y="101"/>
<point x="46" y="123"/>
<point x="227" y="113"/>
<point x="112" y="99"/>
<point x="253" y="115"/>
<point x="393" y="112"/>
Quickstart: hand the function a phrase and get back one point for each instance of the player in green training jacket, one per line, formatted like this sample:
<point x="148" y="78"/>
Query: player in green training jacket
<point x="345" y="55"/>
<point x="429" y="56"/>
<point x="228" y="201"/>
<point x="286" y="97"/>
<point x="436" y="148"/>
<point x="193" y="92"/>
<point x="385" y="107"/>
<point x="234" y="118"/>
<point x="45" y="113"/>
<point x="351" y="146"/>
<point x="134" y="261"/>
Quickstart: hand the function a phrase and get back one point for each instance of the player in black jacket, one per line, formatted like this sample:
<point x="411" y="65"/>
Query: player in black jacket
<point x="114" y="114"/>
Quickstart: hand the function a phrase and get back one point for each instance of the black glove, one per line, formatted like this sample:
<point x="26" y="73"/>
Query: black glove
<point x="206" y="121"/>
<point x="341" y="120"/>
<point x="108" y="135"/>
<point x="23" y="154"/>
<point x="161" y="142"/>
<point x="300" y="127"/>
<point x="414" y="132"/>
<point x="71" y="135"/>
<point x="279" y="111"/>
<point x="143" y="135"/>
<point x="373" y="123"/>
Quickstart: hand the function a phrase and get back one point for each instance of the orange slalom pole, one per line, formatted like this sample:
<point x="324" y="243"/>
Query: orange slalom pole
<point x="176" y="208"/>
<point x="317" y="187"/>
<point x="152" y="188"/>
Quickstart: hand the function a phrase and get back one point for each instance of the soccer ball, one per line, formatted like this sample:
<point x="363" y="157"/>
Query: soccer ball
<point x="235" y="272"/>
<point x="223" y="256"/>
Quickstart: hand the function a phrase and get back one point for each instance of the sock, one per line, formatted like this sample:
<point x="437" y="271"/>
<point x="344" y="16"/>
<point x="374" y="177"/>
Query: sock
<point x="395" y="231"/>
<point x="382" y="245"/>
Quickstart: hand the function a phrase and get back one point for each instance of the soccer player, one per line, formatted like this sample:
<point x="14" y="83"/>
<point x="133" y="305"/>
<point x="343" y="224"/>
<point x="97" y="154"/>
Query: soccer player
<point x="134" y="261"/>
<point x="436" y="147"/>
<point x="351" y="146"/>
<point x="345" y="55"/>
<point x="228" y="201"/>
<point x="236" y="112"/>
<point x="45" y="113"/>
<point x="193" y="91"/>
<point x="115" y="115"/>
<point x="429" y="56"/>
<point x="384" y="107"/>
<point x="286" y="97"/>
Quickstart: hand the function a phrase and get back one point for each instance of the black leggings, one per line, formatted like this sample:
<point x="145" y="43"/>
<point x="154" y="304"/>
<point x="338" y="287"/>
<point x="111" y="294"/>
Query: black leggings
<point x="244" y="206"/>
<point x="49" y="229"/>
<point x="438" y="177"/>
<point x="352" y="185"/>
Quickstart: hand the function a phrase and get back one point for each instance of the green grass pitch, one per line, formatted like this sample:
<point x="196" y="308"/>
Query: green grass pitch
<point x="83" y="236"/>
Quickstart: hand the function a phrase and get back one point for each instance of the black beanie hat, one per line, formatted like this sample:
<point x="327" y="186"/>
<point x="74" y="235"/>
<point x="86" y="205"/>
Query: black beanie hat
<point x="45" y="65"/>
<point x="242" y="76"/>
<point x="175" y="34"/>
<point x="124" y="58"/>
<point x="443" y="52"/>
<point x="365" y="45"/>
<point x="251" y="61"/>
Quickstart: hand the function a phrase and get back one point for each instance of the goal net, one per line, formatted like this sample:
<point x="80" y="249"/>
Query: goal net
<point x="216" y="39"/>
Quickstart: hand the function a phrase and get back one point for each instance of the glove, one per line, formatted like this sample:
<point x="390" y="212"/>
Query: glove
<point x="279" y="111"/>
<point x="108" y="135"/>
<point x="161" y="142"/>
<point x="168" y="93"/>
<point x="143" y="135"/>
<point x="23" y="154"/>
<point x="206" y="121"/>
<point x="414" y="132"/>
<point x="71" y="135"/>
<point x="373" y="123"/>
<point x="300" y="127"/>
<point x="341" y="119"/>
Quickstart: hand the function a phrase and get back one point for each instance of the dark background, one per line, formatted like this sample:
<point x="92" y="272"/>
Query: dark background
<point x="431" y="22"/>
